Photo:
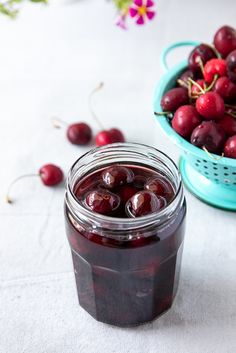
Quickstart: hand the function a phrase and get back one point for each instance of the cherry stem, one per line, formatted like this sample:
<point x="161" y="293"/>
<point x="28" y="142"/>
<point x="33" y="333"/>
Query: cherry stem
<point x="230" y="106"/>
<point x="232" y="114"/>
<point x="210" y="155"/>
<point x="212" y="83"/>
<point x="201" y="65"/>
<point x="90" y="104"/>
<point x="182" y="83"/>
<point x="162" y="113"/>
<point x="57" y="123"/>
<point x="7" y="197"/>
<point x="196" y="84"/>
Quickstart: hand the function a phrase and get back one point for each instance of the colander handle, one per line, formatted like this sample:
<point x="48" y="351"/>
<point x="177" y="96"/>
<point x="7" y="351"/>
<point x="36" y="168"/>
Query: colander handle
<point x="171" y="47"/>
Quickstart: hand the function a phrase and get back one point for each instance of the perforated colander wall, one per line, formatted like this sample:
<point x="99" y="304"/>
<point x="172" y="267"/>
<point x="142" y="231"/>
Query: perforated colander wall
<point x="214" y="170"/>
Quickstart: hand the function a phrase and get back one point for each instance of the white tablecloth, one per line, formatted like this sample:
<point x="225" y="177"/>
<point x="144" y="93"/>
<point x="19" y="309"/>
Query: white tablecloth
<point x="50" y="60"/>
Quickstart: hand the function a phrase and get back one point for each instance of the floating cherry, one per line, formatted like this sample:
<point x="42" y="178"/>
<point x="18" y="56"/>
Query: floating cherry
<point x="116" y="176"/>
<point x="144" y="203"/>
<point x="102" y="201"/>
<point x="50" y="175"/>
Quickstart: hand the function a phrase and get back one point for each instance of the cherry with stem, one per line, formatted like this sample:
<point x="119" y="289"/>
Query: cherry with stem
<point x="50" y="175"/>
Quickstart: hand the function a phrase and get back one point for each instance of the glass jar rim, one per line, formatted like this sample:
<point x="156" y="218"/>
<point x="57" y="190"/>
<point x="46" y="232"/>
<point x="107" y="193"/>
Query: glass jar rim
<point x="115" y="222"/>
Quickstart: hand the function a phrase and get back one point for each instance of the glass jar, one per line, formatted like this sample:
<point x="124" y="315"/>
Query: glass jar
<point x="126" y="269"/>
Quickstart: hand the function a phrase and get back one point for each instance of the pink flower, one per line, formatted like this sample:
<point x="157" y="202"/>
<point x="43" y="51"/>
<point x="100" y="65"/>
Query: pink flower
<point x="142" y="9"/>
<point x="121" y="21"/>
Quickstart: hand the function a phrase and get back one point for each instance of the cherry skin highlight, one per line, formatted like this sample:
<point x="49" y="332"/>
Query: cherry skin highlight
<point x="211" y="106"/>
<point x="79" y="133"/>
<point x="116" y="176"/>
<point x="209" y="135"/>
<point x="214" y="67"/>
<point x="144" y="203"/>
<point x="160" y="187"/>
<point x="230" y="147"/>
<point x="225" y="40"/>
<point x="174" y="98"/>
<point x="186" y="118"/>
<point x="102" y="201"/>
<point x="51" y="175"/>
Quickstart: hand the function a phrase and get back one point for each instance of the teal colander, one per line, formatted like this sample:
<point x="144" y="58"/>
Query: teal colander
<point x="210" y="178"/>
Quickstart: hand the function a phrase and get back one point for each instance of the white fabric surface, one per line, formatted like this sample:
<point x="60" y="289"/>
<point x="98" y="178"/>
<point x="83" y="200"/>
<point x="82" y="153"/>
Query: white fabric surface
<point x="50" y="60"/>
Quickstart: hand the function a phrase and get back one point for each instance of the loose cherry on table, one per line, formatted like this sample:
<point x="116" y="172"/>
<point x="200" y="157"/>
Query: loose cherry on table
<point x="77" y="133"/>
<point x="199" y="56"/>
<point x="211" y="106"/>
<point x="50" y="175"/>
<point x="209" y="136"/>
<point x="185" y="119"/>
<point x="230" y="147"/>
<point x="225" y="40"/>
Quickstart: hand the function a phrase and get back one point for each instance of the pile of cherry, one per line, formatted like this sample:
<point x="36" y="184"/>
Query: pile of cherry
<point x="202" y="109"/>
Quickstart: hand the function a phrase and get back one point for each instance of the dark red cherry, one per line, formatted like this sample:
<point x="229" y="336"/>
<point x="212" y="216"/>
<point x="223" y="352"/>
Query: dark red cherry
<point x="126" y="192"/>
<point x="79" y="134"/>
<point x="144" y="203"/>
<point x="51" y="174"/>
<point x="185" y="119"/>
<point x="174" y="98"/>
<point x="211" y="106"/>
<point x="186" y="75"/>
<point x="231" y="66"/>
<point x="214" y="67"/>
<point x="201" y="53"/>
<point x="139" y="181"/>
<point x="230" y="147"/>
<point x="160" y="187"/>
<point x="102" y="201"/>
<point x="226" y="89"/>
<point x="225" y="40"/>
<point x="106" y="137"/>
<point x="228" y="124"/>
<point x="209" y="135"/>
<point x="116" y="176"/>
